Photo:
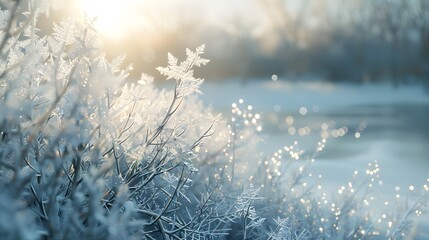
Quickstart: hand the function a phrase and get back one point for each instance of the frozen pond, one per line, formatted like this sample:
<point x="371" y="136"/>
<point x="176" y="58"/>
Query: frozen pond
<point x="379" y="123"/>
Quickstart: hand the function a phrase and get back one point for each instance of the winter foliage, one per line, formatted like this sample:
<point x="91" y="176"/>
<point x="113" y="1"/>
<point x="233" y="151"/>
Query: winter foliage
<point x="86" y="153"/>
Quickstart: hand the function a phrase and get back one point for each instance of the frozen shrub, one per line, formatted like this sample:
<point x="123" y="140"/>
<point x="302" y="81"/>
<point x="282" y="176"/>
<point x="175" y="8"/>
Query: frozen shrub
<point x="86" y="153"/>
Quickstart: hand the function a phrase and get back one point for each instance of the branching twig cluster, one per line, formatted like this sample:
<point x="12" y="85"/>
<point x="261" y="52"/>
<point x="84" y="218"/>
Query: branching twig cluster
<point x="86" y="154"/>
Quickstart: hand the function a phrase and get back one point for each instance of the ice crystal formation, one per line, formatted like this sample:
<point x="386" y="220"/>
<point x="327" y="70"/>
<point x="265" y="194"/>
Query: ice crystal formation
<point x="86" y="153"/>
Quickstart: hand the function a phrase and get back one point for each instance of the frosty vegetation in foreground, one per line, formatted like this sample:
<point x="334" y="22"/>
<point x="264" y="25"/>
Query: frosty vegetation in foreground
<point x="86" y="154"/>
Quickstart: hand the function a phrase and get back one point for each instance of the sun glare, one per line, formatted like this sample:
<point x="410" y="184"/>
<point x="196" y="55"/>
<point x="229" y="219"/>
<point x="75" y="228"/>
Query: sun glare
<point x="111" y="18"/>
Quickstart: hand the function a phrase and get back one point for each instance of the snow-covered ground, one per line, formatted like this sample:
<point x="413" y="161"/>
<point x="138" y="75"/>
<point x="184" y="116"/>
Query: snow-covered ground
<point x="290" y="96"/>
<point x="382" y="123"/>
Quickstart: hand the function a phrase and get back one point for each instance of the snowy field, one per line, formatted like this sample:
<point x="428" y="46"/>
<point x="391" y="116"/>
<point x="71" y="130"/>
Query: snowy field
<point x="380" y="122"/>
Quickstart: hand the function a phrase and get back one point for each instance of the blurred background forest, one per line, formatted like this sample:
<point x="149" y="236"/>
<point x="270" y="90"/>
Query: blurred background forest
<point x="354" y="41"/>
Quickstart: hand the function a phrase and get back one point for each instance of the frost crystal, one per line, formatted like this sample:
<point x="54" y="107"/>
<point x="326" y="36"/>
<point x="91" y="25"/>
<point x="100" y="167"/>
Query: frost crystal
<point x="183" y="73"/>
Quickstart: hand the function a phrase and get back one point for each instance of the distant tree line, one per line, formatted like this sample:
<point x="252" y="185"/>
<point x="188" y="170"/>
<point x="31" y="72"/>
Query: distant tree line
<point x="355" y="40"/>
<point x="359" y="41"/>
